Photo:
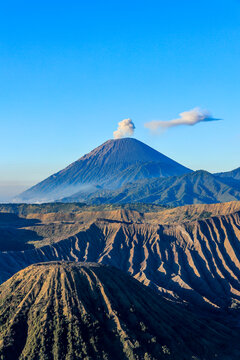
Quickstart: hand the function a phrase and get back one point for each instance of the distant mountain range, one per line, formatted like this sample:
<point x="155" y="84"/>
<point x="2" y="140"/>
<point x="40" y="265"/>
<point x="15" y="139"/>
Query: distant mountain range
<point x="234" y="174"/>
<point x="198" y="187"/>
<point x="127" y="170"/>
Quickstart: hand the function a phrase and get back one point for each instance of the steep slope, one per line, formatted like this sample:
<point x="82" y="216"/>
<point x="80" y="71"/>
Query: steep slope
<point x="25" y="226"/>
<point x="64" y="311"/>
<point x="110" y="165"/>
<point x="199" y="187"/>
<point x="191" y="253"/>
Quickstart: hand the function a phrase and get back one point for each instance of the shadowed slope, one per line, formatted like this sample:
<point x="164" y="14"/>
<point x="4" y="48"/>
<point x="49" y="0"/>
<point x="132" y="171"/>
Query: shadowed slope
<point x="230" y="178"/>
<point x="198" y="187"/>
<point x="234" y="174"/>
<point x="86" y="311"/>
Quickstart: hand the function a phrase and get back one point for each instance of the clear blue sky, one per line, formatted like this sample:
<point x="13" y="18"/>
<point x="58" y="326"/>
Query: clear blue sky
<point x="71" y="70"/>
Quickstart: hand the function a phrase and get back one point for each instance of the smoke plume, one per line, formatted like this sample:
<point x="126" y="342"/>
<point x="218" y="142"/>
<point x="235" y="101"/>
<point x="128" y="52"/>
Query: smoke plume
<point x="190" y="117"/>
<point x="125" y="128"/>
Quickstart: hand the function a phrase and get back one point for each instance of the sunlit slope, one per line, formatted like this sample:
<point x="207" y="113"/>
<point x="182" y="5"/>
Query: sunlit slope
<point x="74" y="311"/>
<point x="190" y="253"/>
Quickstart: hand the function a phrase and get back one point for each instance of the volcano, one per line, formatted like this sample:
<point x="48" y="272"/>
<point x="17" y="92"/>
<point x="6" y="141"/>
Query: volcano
<point x="69" y="310"/>
<point x="109" y="166"/>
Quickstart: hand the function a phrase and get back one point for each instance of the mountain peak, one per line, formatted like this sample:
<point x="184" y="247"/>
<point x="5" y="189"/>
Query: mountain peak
<point x="125" y="150"/>
<point x="110" y="165"/>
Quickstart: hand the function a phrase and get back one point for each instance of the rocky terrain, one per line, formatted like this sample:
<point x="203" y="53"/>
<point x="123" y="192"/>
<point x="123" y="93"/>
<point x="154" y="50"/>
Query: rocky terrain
<point x="64" y="311"/>
<point x="189" y="254"/>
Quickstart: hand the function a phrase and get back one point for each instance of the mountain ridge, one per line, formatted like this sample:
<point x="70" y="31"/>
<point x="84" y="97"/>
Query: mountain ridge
<point x="65" y="310"/>
<point x="189" y="254"/>
<point x="233" y="174"/>
<point x="195" y="187"/>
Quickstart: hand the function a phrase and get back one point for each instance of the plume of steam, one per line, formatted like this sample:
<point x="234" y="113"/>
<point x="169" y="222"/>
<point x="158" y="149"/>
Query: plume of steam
<point x="190" y="117"/>
<point x="125" y="128"/>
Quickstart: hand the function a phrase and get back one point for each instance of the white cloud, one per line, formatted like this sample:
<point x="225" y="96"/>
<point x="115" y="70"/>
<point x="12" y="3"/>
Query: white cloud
<point x="190" y="117"/>
<point x="125" y="128"/>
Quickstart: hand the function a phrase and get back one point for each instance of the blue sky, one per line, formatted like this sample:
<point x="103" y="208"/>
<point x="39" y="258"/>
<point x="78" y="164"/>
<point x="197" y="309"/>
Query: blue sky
<point x="71" y="70"/>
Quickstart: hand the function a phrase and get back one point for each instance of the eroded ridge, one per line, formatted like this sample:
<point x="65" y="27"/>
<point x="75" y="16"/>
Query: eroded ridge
<point x="65" y="310"/>
<point x="189" y="254"/>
